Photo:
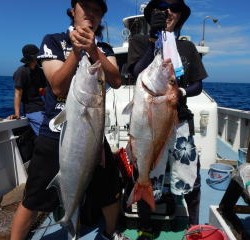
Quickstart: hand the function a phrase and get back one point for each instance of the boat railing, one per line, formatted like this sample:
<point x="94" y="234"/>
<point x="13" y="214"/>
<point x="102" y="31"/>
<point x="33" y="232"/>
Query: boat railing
<point x="234" y="127"/>
<point x="12" y="170"/>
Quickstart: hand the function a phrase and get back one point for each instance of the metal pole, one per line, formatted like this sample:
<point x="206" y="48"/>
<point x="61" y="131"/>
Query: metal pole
<point x="203" y="32"/>
<point x="202" y="42"/>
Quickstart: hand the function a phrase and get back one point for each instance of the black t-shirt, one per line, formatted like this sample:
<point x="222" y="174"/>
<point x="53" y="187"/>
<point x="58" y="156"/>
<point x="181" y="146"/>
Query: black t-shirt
<point x="30" y="81"/>
<point x="191" y="60"/>
<point x="58" y="46"/>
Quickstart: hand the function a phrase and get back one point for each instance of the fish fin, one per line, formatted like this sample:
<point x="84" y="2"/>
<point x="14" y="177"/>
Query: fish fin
<point x="142" y="192"/>
<point x="56" y="123"/>
<point x="128" y="108"/>
<point x="54" y="183"/>
<point x="72" y="225"/>
<point x="70" y="228"/>
<point x="60" y="117"/>
<point x="59" y="212"/>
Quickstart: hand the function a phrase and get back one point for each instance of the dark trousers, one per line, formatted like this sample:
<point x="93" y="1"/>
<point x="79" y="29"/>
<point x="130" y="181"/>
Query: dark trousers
<point x="193" y="204"/>
<point x="193" y="199"/>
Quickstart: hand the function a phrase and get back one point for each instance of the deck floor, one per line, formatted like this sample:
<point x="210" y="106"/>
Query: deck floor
<point x="172" y="229"/>
<point x="169" y="229"/>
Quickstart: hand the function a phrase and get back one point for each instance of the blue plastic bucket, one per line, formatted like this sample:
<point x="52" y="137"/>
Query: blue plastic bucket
<point x="242" y="156"/>
<point x="219" y="176"/>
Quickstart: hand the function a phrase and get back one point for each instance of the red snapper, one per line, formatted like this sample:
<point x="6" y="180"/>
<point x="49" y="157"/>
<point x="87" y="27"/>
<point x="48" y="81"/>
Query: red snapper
<point x="153" y="117"/>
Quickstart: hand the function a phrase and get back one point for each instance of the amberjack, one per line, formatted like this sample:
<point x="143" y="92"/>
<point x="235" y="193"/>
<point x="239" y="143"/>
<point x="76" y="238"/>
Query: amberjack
<point x="153" y="117"/>
<point x="81" y="137"/>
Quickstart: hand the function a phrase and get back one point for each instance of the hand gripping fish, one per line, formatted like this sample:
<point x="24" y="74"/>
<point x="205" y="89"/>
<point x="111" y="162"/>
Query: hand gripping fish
<point x="153" y="117"/>
<point x="81" y="137"/>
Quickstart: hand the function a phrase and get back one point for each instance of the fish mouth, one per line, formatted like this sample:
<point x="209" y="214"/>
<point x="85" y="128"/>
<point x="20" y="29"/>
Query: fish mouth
<point x="149" y="91"/>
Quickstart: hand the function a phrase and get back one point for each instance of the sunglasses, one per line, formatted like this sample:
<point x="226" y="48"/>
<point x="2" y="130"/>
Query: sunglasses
<point x="174" y="7"/>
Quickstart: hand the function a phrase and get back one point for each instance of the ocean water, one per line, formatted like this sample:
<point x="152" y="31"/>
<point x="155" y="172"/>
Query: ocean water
<point x="230" y="95"/>
<point x="6" y="96"/>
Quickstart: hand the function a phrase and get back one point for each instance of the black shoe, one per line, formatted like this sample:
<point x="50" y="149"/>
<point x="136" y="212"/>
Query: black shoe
<point x="115" y="236"/>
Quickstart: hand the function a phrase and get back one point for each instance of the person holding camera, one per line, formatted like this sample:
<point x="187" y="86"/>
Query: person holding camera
<point x="181" y="153"/>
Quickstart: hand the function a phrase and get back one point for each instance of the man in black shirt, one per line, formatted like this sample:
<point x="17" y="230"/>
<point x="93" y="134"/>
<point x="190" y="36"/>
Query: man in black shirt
<point x="30" y="83"/>
<point x="60" y="54"/>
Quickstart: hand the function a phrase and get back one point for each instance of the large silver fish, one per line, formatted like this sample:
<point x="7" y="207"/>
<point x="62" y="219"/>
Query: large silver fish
<point x="153" y="117"/>
<point x="81" y="137"/>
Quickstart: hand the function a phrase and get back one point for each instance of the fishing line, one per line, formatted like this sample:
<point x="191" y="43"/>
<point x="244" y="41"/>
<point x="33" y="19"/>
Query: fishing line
<point x="45" y="227"/>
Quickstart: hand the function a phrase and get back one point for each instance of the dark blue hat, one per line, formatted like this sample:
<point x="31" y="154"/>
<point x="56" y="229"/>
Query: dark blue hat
<point x="30" y="52"/>
<point x="155" y="4"/>
<point x="101" y="3"/>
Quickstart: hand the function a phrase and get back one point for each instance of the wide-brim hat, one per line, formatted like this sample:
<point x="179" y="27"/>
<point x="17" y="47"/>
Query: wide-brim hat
<point x="30" y="52"/>
<point x="101" y="3"/>
<point x="154" y="4"/>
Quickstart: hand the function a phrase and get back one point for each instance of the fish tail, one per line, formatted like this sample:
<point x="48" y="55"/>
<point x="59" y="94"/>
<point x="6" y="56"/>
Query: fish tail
<point x="70" y="228"/>
<point x="55" y="184"/>
<point x="142" y="192"/>
<point x="72" y="224"/>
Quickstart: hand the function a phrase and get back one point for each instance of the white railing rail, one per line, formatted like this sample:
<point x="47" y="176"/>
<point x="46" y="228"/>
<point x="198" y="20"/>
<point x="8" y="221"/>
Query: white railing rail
<point x="234" y="127"/>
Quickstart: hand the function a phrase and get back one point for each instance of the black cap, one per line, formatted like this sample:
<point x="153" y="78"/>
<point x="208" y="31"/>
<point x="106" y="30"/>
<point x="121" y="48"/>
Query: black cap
<point x="154" y="4"/>
<point x="30" y="52"/>
<point x="101" y="3"/>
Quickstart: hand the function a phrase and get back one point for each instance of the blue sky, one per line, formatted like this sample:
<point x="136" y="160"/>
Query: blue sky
<point x="27" y="21"/>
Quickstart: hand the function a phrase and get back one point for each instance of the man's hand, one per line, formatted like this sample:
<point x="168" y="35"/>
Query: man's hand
<point x="83" y="38"/>
<point x="13" y="116"/>
<point x="157" y="23"/>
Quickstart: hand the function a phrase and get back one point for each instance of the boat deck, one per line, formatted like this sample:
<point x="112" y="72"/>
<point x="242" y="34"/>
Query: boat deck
<point x="170" y="229"/>
<point x="174" y="229"/>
